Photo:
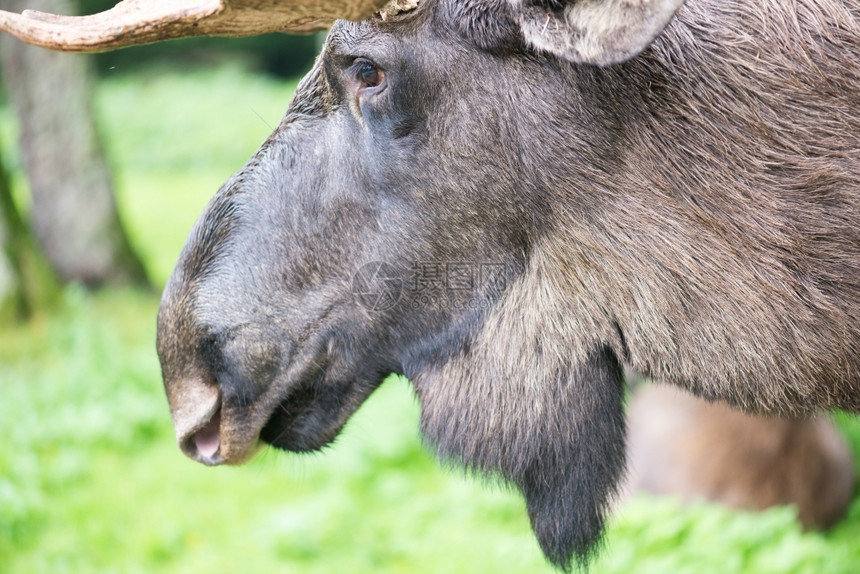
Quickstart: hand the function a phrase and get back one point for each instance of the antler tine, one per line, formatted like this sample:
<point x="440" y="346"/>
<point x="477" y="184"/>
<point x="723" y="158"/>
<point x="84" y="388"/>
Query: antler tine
<point x="134" y="22"/>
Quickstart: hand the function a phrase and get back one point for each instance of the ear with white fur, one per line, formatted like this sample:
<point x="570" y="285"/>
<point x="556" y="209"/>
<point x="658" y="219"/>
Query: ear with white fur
<point x="601" y="32"/>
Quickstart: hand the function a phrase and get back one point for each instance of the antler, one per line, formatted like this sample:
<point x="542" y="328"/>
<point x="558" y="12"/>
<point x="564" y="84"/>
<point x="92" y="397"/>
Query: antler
<point x="133" y="22"/>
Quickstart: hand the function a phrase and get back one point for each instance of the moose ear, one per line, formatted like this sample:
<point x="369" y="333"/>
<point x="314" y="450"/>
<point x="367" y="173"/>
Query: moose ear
<point x="600" y="32"/>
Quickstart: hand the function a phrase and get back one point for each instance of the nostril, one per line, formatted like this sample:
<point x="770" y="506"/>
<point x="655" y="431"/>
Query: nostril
<point x="208" y="439"/>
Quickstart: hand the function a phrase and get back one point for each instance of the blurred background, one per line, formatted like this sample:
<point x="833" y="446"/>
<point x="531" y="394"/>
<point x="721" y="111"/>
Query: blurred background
<point x="105" y="163"/>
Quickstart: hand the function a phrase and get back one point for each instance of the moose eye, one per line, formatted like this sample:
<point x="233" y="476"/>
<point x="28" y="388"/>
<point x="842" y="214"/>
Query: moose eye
<point x="368" y="75"/>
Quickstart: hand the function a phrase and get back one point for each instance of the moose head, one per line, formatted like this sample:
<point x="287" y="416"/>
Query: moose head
<point x="507" y="201"/>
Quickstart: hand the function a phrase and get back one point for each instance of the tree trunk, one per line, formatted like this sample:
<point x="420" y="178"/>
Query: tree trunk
<point x="12" y="302"/>
<point x="26" y="281"/>
<point x="73" y="214"/>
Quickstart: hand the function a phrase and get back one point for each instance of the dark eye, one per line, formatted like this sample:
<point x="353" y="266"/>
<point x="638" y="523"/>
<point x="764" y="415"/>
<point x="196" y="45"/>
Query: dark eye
<point x="369" y="75"/>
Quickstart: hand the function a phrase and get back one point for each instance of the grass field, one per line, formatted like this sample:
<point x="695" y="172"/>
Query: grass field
<point x="91" y="480"/>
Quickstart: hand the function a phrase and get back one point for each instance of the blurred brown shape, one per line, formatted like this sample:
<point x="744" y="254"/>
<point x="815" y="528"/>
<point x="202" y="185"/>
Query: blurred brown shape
<point x="682" y="446"/>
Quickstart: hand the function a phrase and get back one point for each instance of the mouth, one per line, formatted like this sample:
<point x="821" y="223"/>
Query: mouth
<point x="309" y="418"/>
<point x="196" y="411"/>
<point x="208" y="439"/>
<point x="302" y="416"/>
<point x="212" y="440"/>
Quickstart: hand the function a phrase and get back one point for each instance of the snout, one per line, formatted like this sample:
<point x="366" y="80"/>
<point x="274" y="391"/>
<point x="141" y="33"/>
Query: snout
<point x="197" y="421"/>
<point x="202" y="432"/>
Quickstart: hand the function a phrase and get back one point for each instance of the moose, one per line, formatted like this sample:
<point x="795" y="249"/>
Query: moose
<point x="692" y="450"/>
<point x="666" y="186"/>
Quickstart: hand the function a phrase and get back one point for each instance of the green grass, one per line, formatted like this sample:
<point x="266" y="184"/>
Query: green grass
<point x="91" y="480"/>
